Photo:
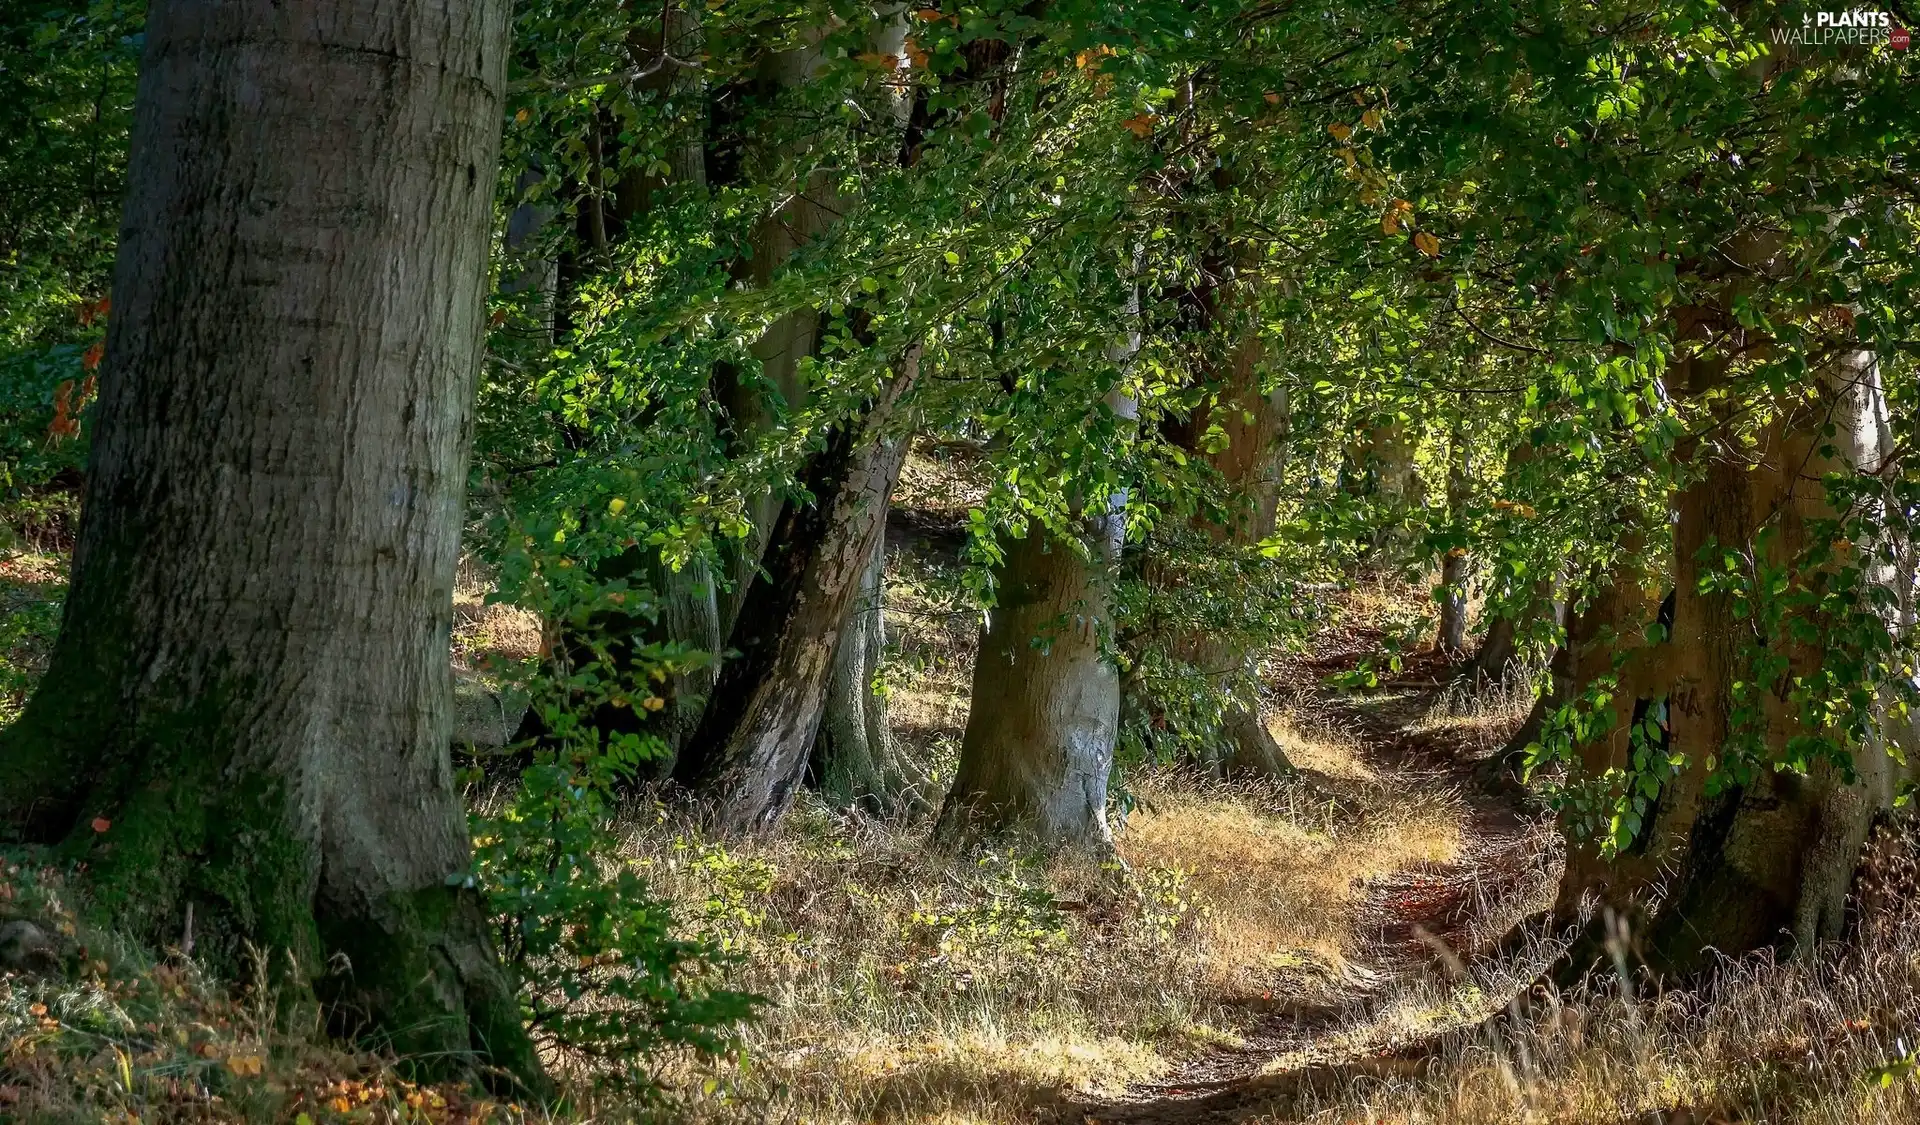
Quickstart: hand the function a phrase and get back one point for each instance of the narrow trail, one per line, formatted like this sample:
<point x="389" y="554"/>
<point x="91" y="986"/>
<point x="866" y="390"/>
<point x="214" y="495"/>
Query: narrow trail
<point x="1419" y="928"/>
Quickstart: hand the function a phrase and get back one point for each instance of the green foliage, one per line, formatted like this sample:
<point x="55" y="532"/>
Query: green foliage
<point x="604" y="969"/>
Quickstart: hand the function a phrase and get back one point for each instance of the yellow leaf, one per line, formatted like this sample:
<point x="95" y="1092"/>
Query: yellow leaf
<point x="616" y="505"/>
<point x="1390" y="223"/>
<point x="244" y="1064"/>
<point x="653" y="703"/>
<point x="1371" y="119"/>
<point x="1340" y="130"/>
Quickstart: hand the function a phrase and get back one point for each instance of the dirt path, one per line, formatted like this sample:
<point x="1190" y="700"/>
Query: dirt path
<point x="1422" y="931"/>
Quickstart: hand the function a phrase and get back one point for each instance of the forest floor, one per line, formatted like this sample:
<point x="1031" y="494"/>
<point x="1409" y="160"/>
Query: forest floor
<point x="1348" y="945"/>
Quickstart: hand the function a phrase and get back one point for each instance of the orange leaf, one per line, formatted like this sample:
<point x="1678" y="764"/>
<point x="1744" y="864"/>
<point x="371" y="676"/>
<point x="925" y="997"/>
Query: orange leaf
<point x="1427" y="244"/>
<point x="1390" y="223"/>
<point x="915" y="55"/>
<point x="1141" y="126"/>
<point x="91" y="359"/>
<point x="101" y="824"/>
<point x="928" y="15"/>
<point x="1272" y="98"/>
<point x="1340" y="130"/>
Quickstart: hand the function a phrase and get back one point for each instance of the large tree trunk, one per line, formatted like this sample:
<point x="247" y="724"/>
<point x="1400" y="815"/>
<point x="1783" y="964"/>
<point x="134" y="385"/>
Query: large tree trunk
<point x="856" y="764"/>
<point x="1773" y="856"/>
<point x="750" y="752"/>
<point x="1046" y="701"/>
<point x="248" y="708"/>
<point x="1045" y="704"/>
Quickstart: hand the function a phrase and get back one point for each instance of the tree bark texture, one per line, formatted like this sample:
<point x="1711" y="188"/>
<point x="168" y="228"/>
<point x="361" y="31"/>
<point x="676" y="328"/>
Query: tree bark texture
<point x="856" y="763"/>
<point x="1774" y="857"/>
<point x="1044" y="709"/>
<point x="248" y="708"/>
<point x="1038" y="746"/>
<point x="750" y="752"/>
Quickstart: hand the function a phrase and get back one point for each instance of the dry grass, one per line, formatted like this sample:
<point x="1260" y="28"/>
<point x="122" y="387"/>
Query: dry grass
<point x="1825" y="1041"/>
<point x="1281" y="874"/>
<point x="909" y="986"/>
<point x="481" y="630"/>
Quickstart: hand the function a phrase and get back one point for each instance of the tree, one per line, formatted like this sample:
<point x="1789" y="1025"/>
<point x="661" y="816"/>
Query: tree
<point x="246" y="715"/>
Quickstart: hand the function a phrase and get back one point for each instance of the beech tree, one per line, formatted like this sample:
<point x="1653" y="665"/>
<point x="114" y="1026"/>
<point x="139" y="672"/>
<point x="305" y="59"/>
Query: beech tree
<point x="246" y="717"/>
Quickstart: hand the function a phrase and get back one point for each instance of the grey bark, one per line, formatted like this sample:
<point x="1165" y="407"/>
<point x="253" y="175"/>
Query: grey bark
<point x="751" y="751"/>
<point x="1045" y="705"/>
<point x="251" y="690"/>
<point x="856" y="763"/>
<point x="1038" y="746"/>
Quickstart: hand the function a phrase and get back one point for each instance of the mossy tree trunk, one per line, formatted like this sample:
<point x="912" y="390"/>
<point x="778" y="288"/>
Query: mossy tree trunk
<point x="247" y="710"/>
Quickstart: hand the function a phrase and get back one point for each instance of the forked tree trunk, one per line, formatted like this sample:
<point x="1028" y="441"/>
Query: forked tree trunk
<point x="248" y="707"/>
<point x="750" y="753"/>
<point x="856" y="763"/>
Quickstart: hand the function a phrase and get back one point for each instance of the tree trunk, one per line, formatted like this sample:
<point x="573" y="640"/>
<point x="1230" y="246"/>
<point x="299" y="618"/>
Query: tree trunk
<point x="1451" y="639"/>
<point x="1252" y="422"/>
<point x="1774" y="856"/>
<point x="855" y="761"/>
<point x="750" y="752"/>
<point x="248" y="707"/>
<point x="1046" y="702"/>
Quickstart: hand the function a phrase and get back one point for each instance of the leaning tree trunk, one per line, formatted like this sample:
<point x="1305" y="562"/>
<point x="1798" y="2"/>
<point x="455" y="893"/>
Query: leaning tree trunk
<point x="856" y="764"/>
<point x="750" y="752"/>
<point x="247" y="711"/>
